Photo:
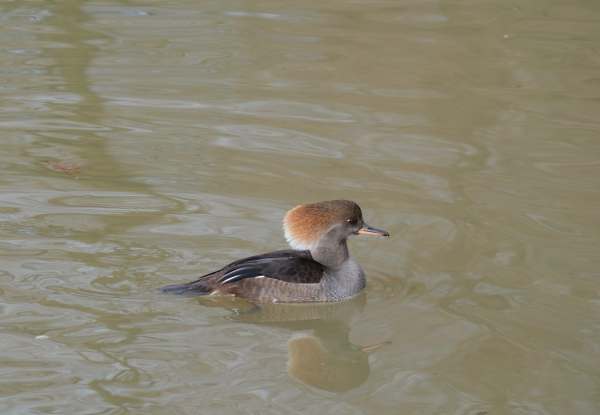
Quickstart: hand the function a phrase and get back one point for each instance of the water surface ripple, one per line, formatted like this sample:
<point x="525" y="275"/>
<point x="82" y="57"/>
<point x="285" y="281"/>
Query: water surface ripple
<point x="146" y="143"/>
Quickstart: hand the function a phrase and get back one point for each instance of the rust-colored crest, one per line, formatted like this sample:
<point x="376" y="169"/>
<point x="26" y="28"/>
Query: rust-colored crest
<point x="304" y="224"/>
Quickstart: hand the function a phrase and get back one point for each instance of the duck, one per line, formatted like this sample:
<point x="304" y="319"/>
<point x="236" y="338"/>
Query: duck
<point x="317" y="268"/>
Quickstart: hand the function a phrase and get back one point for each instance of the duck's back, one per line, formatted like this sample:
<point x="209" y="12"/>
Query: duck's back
<point x="286" y="275"/>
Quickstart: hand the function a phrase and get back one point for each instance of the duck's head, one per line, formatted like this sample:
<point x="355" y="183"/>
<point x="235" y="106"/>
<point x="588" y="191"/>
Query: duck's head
<point x="312" y="225"/>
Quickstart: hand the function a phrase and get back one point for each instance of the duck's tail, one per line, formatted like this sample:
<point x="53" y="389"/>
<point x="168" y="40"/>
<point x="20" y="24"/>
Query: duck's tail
<point x="202" y="286"/>
<point x="189" y="288"/>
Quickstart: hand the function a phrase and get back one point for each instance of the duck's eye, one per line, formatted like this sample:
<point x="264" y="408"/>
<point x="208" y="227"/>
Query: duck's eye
<point x="352" y="221"/>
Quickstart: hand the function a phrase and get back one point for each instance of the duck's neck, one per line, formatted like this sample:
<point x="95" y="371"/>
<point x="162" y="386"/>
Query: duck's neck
<point x="331" y="252"/>
<point x="343" y="277"/>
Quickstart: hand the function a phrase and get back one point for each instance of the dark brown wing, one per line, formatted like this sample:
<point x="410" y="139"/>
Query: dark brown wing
<point x="286" y="265"/>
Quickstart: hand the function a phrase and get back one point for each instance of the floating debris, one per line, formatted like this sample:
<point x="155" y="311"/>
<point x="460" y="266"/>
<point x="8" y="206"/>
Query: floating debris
<point x="66" y="167"/>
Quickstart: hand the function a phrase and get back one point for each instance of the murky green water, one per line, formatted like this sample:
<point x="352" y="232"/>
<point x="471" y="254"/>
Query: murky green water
<point x="146" y="143"/>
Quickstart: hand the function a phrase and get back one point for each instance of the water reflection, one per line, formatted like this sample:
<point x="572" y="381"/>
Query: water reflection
<point x="327" y="359"/>
<point x="320" y="352"/>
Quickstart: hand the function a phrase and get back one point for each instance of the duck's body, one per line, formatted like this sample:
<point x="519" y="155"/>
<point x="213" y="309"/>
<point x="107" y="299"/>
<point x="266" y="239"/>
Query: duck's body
<point x="319" y="269"/>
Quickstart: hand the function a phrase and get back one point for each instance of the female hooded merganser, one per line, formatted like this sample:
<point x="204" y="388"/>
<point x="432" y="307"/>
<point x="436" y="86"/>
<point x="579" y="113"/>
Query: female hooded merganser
<point x="318" y="268"/>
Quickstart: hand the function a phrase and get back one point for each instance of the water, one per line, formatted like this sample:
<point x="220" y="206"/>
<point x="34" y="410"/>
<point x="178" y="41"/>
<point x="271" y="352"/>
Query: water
<point x="147" y="143"/>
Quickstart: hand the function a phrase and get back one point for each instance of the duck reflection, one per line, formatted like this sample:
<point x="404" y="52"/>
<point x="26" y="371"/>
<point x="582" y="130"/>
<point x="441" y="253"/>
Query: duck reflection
<point x="320" y="353"/>
<point x="327" y="360"/>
